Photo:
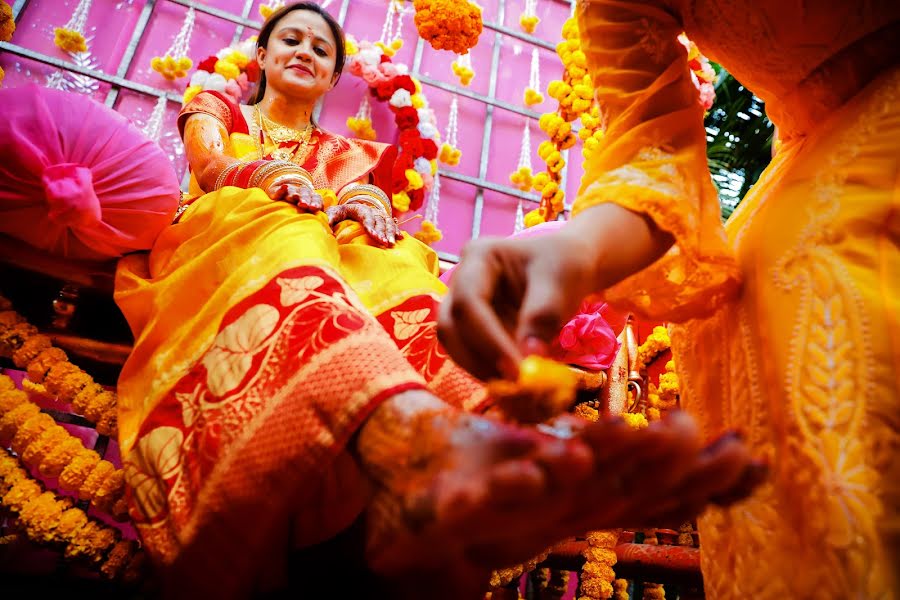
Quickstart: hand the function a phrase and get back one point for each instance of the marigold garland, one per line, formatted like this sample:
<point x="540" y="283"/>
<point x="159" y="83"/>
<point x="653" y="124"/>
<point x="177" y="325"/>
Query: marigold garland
<point x="413" y="173"/>
<point x="654" y="591"/>
<point x="597" y="574"/>
<point x="231" y="71"/>
<point x="656" y="343"/>
<point x="453" y="25"/>
<point x="620" y="589"/>
<point x="502" y="577"/>
<point x="54" y="452"/>
<point x="574" y="94"/>
<point x="47" y="518"/>
<point x="49" y="366"/>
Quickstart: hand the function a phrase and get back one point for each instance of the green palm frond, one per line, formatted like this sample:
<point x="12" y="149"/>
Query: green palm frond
<point x="739" y="140"/>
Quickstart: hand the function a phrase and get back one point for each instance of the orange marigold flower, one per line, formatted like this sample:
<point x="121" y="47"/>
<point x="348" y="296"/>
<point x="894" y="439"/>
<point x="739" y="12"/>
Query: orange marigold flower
<point x="37" y="368"/>
<point x="59" y="457"/>
<point x="83" y="399"/>
<point x="71" y="521"/>
<point x="73" y="476"/>
<point x="93" y="482"/>
<point x="21" y="493"/>
<point x="31" y="423"/>
<point x="33" y="346"/>
<point x="453" y="25"/>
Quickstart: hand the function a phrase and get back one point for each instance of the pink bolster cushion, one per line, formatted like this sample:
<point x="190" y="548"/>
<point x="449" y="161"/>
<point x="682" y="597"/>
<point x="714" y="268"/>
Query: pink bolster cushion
<point x="77" y="179"/>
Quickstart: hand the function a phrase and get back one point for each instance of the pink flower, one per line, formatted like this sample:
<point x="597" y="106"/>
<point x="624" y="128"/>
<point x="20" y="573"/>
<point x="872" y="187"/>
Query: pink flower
<point x="707" y="95"/>
<point x="389" y="70"/>
<point x="587" y="340"/>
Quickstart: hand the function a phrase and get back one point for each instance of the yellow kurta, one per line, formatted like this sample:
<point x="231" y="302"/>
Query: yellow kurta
<point x="804" y="356"/>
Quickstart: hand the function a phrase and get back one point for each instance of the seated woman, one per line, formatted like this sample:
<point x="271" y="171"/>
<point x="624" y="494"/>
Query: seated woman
<point x="285" y="381"/>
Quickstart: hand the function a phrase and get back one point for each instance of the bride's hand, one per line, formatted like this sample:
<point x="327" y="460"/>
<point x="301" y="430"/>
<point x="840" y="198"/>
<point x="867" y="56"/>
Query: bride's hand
<point x="380" y="226"/>
<point x="298" y="194"/>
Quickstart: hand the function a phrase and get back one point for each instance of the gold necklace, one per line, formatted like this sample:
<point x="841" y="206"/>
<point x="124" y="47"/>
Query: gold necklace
<point x="280" y="134"/>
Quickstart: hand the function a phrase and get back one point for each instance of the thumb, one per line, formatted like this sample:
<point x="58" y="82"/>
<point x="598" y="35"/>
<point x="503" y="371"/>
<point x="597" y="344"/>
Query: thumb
<point x="336" y="214"/>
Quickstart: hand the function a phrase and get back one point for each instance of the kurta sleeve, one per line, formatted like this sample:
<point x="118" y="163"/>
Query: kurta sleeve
<point x="652" y="159"/>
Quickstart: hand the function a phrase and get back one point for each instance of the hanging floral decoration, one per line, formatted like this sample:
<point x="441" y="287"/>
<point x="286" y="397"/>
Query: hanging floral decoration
<point x="175" y="64"/>
<point x="533" y="96"/>
<point x="654" y="591"/>
<point x="389" y="43"/>
<point x="665" y="396"/>
<point x="597" y="574"/>
<point x="450" y="154"/>
<point x="70" y="37"/>
<point x="416" y="164"/>
<point x="529" y="20"/>
<point x="462" y="68"/>
<point x="620" y="589"/>
<point x="702" y="72"/>
<point x="231" y="71"/>
<point x="361" y="123"/>
<point x="453" y="25"/>
<point x="523" y="177"/>
<point x="391" y="40"/>
<point x="574" y="94"/>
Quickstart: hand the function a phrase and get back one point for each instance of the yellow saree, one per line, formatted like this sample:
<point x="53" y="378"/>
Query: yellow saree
<point x="261" y="344"/>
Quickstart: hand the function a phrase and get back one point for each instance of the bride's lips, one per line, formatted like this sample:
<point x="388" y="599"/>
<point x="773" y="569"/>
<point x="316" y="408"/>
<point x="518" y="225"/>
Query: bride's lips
<point x="301" y="69"/>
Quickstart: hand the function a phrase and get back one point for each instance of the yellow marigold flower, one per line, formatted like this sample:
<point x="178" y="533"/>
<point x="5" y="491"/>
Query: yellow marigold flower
<point x="238" y="58"/>
<point x="449" y="155"/>
<point x="350" y="47"/>
<point x="635" y="420"/>
<point x="414" y="179"/>
<point x="7" y="25"/>
<point x="190" y="92"/>
<point x="21" y="494"/>
<point x="418" y="101"/>
<point x="541" y="180"/>
<point x="522" y="178"/>
<point x="533" y="218"/>
<point x="529" y="23"/>
<point x="429" y="233"/>
<point x="69" y="40"/>
<point x="227" y="69"/>
<point x="465" y="74"/>
<point x="400" y="202"/>
<point x="533" y="97"/>
<point x="361" y="128"/>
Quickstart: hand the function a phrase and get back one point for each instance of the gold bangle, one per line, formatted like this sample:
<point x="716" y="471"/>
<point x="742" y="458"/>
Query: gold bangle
<point x="368" y="201"/>
<point x="220" y="180"/>
<point x="269" y="169"/>
<point x="280" y="168"/>
<point x="280" y="179"/>
<point x="366" y="189"/>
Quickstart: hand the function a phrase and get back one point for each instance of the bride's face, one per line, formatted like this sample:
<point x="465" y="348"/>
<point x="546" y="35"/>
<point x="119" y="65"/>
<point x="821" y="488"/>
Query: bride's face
<point x="300" y="58"/>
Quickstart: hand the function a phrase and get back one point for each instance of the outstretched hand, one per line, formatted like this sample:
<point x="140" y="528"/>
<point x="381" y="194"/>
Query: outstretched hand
<point x="379" y="225"/>
<point x="510" y="297"/>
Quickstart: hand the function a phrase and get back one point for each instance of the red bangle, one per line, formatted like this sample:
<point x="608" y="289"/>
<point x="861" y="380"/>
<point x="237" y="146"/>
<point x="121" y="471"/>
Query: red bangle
<point x="241" y="177"/>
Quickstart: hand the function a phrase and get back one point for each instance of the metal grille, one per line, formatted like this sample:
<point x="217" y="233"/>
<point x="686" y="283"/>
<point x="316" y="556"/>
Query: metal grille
<point x="119" y="81"/>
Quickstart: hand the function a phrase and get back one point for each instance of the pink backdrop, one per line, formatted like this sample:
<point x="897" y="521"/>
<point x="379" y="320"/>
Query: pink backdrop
<point x="112" y="23"/>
